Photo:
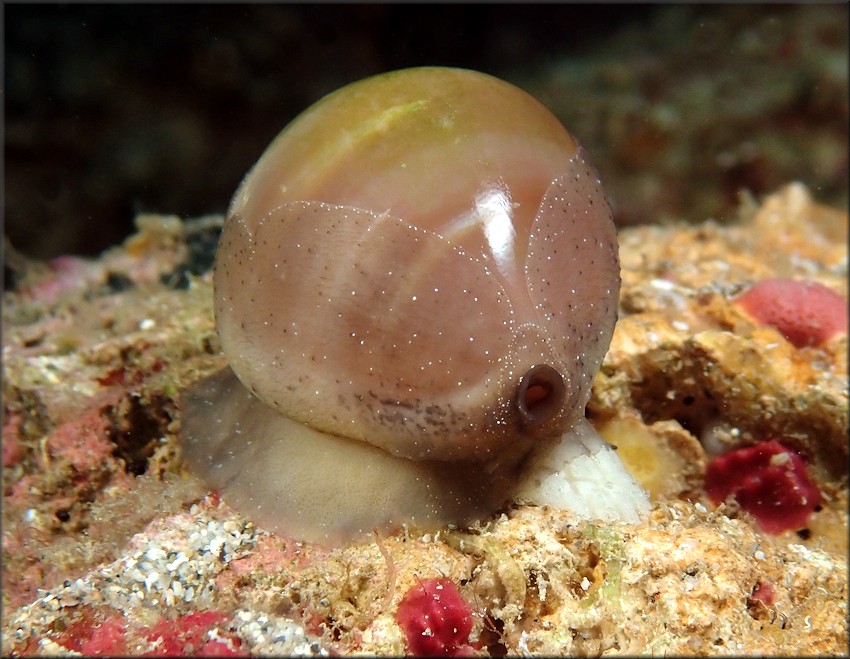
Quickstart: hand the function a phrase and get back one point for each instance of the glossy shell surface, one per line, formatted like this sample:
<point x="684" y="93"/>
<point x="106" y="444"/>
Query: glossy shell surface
<point x="423" y="260"/>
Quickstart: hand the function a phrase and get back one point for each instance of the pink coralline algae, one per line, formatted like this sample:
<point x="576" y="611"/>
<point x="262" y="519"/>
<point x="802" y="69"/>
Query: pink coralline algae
<point x="12" y="449"/>
<point x="95" y="640"/>
<point x="805" y="313"/>
<point x="763" y="592"/>
<point x="769" y="481"/>
<point x="83" y="442"/>
<point x="188" y="635"/>
<point x="64" y="275"/>
<point x="435" y="619"/>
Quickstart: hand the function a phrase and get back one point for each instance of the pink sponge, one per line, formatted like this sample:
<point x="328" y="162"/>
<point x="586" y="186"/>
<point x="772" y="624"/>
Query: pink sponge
<point x="436" y="620"/>
<point x="805" y="313"/>
<point x="769" y="481"/>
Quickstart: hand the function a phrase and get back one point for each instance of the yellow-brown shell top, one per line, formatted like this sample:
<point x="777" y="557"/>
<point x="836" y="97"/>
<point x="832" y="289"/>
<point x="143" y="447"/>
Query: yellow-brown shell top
<point x="424" y="261"/>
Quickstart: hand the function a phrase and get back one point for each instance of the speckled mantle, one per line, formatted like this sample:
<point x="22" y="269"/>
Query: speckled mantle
<point x="100" y="519"/>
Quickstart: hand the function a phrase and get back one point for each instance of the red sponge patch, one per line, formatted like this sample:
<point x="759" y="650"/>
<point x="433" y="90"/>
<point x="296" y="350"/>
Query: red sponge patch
<point x="436" y="619"/>
<point x="805" y="313"/>
<point x="769" y="481"/>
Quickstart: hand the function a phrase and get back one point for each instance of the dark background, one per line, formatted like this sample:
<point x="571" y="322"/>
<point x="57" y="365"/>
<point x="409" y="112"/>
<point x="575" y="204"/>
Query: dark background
<point x="113" y="110"/>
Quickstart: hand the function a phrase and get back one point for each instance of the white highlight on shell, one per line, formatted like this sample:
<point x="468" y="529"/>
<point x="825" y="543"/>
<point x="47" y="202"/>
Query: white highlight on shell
<point x="493" y="207"/>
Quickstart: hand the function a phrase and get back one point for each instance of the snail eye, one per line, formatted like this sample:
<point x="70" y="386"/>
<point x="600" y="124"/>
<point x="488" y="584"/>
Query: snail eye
<point x="540" y="395"/>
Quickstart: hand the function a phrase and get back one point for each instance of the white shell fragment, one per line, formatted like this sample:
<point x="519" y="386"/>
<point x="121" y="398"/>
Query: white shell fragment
<point x="582" y="473"/>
